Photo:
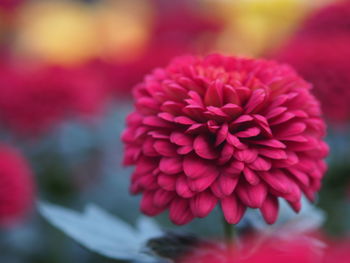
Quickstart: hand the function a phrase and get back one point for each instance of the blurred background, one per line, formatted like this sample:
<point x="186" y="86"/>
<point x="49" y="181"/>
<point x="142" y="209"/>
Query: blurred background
<point x="67" y="68"/>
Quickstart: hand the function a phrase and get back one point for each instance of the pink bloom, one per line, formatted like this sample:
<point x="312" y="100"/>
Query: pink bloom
<point x="16" y="186"/>
<point x="320" y="53"/>
<point x="34" y="100"/>
<point x="301" y="250"/>
<point x="234" y="131"/>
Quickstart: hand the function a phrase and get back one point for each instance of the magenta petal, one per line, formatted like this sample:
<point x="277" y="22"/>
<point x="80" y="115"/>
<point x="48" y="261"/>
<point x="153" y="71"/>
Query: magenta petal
<point x="216" y="113"/>
<point x="294" y="193"/>
<point x="182" y="188"/>
<point x="291" y="129"/>
<point x="270" y="143"/>
<point x="172" y="107"/>
<point x="165" y="148"/>
<point x="296" y="206"/>
<point x="251" y="176"/>
<point x="183" y="150"/>
<point x="201" y="183"/>
<point x="204" y="148"/>
<point x="277" y="180"/>
<point x="180" y="212"/>
<point x="260" y="164"/>
<point x="195" y="167"/>
<point x="234" y="168"/>
<point x="213" y="96"/>
<point x="252" y="195"/>
<point x="166" y="116"/>
<point x="250" y="132"/>
<point x="285" y="117"/>
<point x="145" y="165"/>
<point x="147" y="206"/>
<point x="167" y="182"/>
<point x="216" y="189"/>
<point x="300" y="175"/>
<point x="157" y="122"/>
<point x="263" y="125"/>
<point x="170" y="165"/>
<point x="256" y="100"/>
<point x="246" y="156"/>
<point x="226" y="153"/>
<point x="233" y="209"/>
<point x="227" y="184"/>
<point x="147" y="148"/>
<point x="159" y="134"/>
<point x="275" y="112"/>
<point x="222" y="134"/>
<point x="230" y="95"/>
<point x="196" y="128"/>
<point x="184" y="120"/>
<point x="292" y="159"/>
<point x="269" y="209"/>
<point x="147" y="182"/>
<point x="181" y="139"/>
<point x="273" y="153"/>
<point x="234" y="141"/>
<point x="203" y="203"/>
<point x="162" y="198"/>
<point x="242" y="119"/>
<point x="231" y="110"/>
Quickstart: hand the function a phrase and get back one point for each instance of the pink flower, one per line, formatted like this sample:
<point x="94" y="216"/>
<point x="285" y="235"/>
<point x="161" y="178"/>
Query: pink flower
<point x="35" y="99"/>
<point x="320" y="53"/>
<point x="16" y="186"/>
<point x="272" y="250"/>
<point x="235" y="131"/>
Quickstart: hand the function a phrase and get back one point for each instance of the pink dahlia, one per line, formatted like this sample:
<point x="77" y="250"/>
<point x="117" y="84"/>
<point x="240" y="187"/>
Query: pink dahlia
<point x="16" y="186"/>
<point x="235" y="131"/>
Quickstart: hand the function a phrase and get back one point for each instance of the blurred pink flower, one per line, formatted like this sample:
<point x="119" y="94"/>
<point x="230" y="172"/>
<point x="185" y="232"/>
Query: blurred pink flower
<point x="34" y="100"/>
<point x="16" y="186"/>
<point x="320" y="53"/>
<point x="237" y="131"/>
<point x="301" y="250"/>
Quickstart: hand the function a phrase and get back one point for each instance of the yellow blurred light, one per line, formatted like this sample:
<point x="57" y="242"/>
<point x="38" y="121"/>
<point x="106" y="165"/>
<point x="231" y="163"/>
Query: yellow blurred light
<point x="256" y="26"/>
<point x="69" y="33"/>
<point x="124" y="27"/>
<point x="59" y="32"/>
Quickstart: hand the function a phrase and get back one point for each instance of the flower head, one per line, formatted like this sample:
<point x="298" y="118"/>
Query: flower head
<point x="235" y="131"/>
<point x="16" y="184"/>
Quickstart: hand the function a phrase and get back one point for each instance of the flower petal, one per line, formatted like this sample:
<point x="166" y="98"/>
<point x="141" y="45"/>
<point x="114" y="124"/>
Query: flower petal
<point x="227" y="184"/>
<point x="233" y="209"/>
<point x="182" y="188"/>
<point x="180" y="212"/>
<point x="195" y="167"/>
<point x="204" y="148"/>
<point x="269" y="209"/>
<point x="170" y="165"/>
<point x="203" y="203"/>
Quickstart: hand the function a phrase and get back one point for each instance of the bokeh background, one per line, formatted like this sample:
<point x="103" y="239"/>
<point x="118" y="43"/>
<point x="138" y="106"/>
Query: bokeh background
<point x="67" y="68"/>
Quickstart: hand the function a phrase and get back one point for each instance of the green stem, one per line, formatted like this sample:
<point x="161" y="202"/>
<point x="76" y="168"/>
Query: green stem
<point x="229" y="233"/>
